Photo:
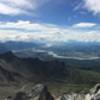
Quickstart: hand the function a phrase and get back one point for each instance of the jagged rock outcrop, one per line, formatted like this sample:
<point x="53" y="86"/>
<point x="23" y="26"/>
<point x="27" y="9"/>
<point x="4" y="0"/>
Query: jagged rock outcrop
<point x="38" y="92"/>
<point x="72" y="96"/>
<point x="94" y="94"/>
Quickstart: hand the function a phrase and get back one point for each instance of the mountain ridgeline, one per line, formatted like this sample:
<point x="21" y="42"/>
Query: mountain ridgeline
<point x="15" y="69"/>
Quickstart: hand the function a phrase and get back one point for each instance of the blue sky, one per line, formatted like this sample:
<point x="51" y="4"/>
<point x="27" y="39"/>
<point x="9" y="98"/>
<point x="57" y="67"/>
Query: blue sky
<point x="47" y="20"/>
<point x="62" y="12"/>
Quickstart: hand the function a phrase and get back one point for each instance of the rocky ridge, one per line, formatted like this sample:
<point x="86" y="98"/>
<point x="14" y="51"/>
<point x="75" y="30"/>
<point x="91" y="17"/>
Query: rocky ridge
<point x="94" y="94"/>
<point x="40" y="92"/>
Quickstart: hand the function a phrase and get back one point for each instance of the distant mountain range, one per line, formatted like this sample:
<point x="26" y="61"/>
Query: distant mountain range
<point x="71" y="49"/>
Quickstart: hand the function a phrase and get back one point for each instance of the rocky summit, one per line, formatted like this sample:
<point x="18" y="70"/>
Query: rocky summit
<point x="94" y="94"/>
<point x="40" y="92"/>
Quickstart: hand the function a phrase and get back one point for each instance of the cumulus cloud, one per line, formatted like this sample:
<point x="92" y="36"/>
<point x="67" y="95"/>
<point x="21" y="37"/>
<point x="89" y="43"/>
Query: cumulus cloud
<point x="15" y="7"/>
<point x="49" y="33"/>
<point x="84" y="25"/>
<point x="93" y="6"/>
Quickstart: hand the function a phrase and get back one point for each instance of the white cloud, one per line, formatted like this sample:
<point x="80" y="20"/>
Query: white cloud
<point x="84" y="25"/>
<point x="27" y="31"/>
<point x="93" y="6"/>
<point x="15" y="7"/>
<point x="4" y="9"/>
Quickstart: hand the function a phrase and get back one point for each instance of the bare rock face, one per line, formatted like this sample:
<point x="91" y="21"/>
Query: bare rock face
<point x="94" y="94"/>
<point x="38" y="92"/>
<point x="45" y="95"/>
<point x="95" y="89"/>
<point x="72" y="96"/>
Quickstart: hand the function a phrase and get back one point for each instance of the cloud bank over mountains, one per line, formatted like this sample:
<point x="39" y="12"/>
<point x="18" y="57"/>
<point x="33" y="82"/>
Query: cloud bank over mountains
<point x="28" y="31"/>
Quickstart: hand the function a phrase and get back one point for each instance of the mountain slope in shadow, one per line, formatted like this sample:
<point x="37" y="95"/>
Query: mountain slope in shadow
<point x="13" y="68"/>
